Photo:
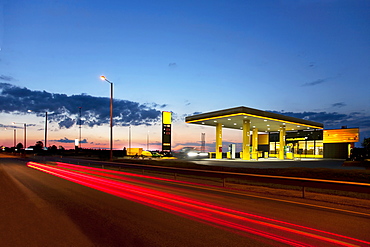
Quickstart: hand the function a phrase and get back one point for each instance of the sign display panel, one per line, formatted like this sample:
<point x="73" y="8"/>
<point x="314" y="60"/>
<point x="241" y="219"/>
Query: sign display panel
<point x="341" y="135"/>
<point x="166" y="131"/>
<point x="166" y="117"/>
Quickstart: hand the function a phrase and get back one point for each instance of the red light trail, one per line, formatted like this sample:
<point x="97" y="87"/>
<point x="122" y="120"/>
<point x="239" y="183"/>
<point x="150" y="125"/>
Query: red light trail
<point x="118" y="183"/>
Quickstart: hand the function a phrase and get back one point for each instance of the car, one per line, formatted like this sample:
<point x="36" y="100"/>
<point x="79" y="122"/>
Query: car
<point x="156" y="154"/>
<point x="146" y="154"/>
<point x="191" y="153"/>
<point x="151" y="154"/>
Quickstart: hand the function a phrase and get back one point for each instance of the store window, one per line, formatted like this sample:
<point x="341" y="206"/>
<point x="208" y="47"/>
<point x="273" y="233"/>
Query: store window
<point x="272" y="147"/>
<point x="319" y="148"/>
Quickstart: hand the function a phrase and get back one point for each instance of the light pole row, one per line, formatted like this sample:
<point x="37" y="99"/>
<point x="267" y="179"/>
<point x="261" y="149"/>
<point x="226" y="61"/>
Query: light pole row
<point x="46" y="122"/>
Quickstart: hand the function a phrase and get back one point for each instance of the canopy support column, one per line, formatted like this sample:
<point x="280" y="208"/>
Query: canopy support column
<point x="255" y="144"/>
<point x="218" y="141"/>
<point x="282" y="142"/>
<point x="246" y="139"/>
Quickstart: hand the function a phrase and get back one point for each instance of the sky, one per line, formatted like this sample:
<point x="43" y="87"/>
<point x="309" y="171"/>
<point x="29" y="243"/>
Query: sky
<point x="302" y="58"/>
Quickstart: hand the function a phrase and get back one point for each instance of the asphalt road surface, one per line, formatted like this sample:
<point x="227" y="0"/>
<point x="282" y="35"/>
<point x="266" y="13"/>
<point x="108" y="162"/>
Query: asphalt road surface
<point x="63" y="205"/>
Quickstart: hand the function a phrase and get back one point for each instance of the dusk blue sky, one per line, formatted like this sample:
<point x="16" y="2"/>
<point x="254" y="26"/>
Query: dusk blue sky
<point x="305" y="58"/>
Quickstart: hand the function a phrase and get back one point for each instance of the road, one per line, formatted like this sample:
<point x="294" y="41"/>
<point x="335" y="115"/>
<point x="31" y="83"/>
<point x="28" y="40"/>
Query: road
<point x="64" y="205"/>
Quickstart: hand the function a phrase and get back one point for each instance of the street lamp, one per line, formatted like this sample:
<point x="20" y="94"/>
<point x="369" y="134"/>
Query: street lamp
<point x="15" y="138"/>
<point x="129" y="139"/>
<point x="46" y="130"/>
<point x="25" y="135"/>
<point x="80" y="125"/>
<point x="111" y="115"/>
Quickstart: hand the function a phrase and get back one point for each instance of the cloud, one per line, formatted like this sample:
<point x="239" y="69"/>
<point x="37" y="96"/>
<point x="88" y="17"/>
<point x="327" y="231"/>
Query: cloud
<point x="181" y="118"/>
<point x="191" y="114"/>
<point x="339" y="104"/>
<point x="66" y="140"/>
<point x="320" y="81"/>
<point x="64" y="109"/>
<point x="10" y="126"/>
<point x="312" y="64"/>
<point x="67" y="122"/>
<point x="313" y="83"/>
<point x="333" y="120"/>
<point x="15" y="126"/>
<point x="84" y="141"/>
<point x="327" y="118"/>
<point x="6" y="78"/>
<point x="155" y="105"/>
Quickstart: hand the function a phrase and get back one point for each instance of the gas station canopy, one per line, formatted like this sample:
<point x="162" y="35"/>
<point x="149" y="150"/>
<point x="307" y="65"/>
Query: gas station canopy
<point x="262" y="120"/>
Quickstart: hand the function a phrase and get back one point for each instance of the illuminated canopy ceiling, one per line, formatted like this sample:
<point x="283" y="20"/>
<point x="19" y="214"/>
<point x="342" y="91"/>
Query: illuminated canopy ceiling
<point x="262" y="120"/>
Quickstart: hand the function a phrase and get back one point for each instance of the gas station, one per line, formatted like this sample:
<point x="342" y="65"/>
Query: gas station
<point x="266" y="134"/>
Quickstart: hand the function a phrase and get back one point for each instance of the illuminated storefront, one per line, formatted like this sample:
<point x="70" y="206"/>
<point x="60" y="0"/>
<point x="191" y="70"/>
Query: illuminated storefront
<point x="300" y="144"/>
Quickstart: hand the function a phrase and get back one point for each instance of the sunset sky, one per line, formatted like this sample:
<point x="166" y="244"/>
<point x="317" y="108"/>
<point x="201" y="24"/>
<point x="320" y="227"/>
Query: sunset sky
<point x="303" y="58"/>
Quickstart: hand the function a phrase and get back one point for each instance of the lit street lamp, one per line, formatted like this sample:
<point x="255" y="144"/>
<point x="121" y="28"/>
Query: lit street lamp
<point x="111" y="115"/>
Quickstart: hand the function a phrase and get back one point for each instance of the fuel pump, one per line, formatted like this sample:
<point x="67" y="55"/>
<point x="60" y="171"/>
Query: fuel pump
<point x="232" y="148"/>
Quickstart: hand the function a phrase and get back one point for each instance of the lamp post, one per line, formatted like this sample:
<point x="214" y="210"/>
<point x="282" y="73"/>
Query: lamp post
<point x="129" y="139"/>
<point x="46" y="129"/>
<point x="80" y="126"/>
<point x="15" y="138"/>
<point x="111" y="115"/>
<point x="25" y="134"/>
